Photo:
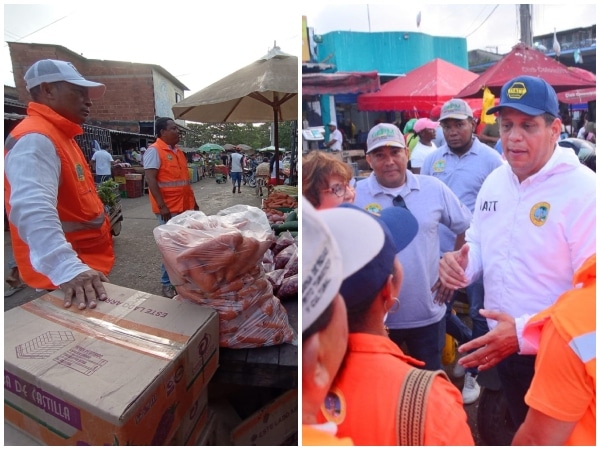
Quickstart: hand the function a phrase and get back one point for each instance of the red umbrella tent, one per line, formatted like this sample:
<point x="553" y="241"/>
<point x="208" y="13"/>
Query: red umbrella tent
<point x="579" y="95"/>
<point x="422" y="88"/>
<point x="524" y="60"/>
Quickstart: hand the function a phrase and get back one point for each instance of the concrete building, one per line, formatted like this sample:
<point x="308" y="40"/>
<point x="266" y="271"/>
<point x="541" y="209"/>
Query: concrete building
<point x="136" y="94"/>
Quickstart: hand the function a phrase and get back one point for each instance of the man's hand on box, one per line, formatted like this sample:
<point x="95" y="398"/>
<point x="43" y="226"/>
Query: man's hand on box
<point x="85" y="289"/>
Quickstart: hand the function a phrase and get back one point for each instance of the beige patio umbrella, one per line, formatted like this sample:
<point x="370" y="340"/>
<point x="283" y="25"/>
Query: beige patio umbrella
<point x="264" y="91"/>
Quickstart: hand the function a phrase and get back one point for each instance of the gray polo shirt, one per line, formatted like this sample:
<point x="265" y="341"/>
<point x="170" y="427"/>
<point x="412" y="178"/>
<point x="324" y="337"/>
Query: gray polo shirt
<point x="432" y="203"/>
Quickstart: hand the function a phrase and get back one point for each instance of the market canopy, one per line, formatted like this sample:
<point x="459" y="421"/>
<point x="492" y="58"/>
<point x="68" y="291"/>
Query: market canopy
<point x="524" y="60"/>
<point x="577" y="96"/>
<point x="422" y="88"/>
<point x="340" y="83"/>
<point x="211" y="148"/>
<point x="271" y="148"/>
<point x="264" y="91"/>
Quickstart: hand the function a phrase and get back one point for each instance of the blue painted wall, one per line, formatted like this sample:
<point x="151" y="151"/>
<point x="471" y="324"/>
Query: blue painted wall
<point x="389" y="53"/>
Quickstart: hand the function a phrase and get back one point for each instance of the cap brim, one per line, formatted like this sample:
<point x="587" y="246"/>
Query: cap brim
<point x="386" y="144"/>
<point x="399" y="222"/>
<point x="356" y="253"/>
<point x="455" y="116"/>
<point x="402" y="224"/>
<point x="519" y="107"/>
<point x="95" y="90"/>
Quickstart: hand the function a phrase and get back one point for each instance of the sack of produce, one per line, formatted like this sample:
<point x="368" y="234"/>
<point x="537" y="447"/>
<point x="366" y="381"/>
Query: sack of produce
<point x="217" y="261"/>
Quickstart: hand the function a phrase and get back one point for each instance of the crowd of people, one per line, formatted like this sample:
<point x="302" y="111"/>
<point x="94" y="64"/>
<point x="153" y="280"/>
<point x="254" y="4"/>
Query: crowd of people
<point x="382" y="261"/>
<point x="516" y="231"/>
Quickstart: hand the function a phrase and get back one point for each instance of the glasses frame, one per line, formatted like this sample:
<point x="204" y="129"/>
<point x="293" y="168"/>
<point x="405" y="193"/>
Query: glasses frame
<point x="336" y="191"/>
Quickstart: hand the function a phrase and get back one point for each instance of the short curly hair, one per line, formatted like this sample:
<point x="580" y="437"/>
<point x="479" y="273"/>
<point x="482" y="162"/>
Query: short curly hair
<point x="317" y="168"/>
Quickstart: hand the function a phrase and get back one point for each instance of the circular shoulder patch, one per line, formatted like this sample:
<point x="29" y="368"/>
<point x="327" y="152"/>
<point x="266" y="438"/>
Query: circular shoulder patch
<point x="539" y="213"/>
<point x="374" y="208"/>
<point x="439" y="165"/>
<point x="334" y="406"/>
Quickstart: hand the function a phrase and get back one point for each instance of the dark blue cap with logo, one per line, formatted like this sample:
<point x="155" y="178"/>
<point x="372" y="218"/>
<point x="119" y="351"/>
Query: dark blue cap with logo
<point x="399" y="227"/>
<point x="530" y="95"/>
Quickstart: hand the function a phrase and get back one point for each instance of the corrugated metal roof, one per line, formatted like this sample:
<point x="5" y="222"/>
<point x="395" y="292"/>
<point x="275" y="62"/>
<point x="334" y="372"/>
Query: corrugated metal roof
<point x="15" y="116"/>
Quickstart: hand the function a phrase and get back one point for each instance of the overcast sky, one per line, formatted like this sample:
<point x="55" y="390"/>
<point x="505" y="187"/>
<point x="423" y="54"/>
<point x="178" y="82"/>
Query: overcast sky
<point x="198" y="42"/>
<point x="473" y="21"/>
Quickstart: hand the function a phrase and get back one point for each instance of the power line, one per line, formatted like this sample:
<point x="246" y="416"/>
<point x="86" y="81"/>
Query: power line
<point x="40" y="29"/>
<point x="9" y="33"/>
<point x="484" y="21"/>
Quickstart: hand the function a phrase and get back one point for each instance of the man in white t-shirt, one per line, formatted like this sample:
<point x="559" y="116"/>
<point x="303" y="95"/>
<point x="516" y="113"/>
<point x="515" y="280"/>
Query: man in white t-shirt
<point x="425" y="129"/>
<point x="237" y="163"/>
<point x="102" y="162"/>
<point x="335" y="138"/>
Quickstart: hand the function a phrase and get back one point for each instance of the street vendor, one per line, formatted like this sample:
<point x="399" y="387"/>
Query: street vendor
<point x="59" y="231"/>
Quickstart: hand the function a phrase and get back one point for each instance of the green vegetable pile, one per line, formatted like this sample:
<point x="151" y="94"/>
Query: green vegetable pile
<point x="108" y="191"/>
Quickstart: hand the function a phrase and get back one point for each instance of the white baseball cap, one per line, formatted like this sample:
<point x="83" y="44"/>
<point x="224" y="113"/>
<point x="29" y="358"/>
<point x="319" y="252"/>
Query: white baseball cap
<point x="325" y="263"/>
<point x="456" y="108"/>
<point x="51" y="71"/>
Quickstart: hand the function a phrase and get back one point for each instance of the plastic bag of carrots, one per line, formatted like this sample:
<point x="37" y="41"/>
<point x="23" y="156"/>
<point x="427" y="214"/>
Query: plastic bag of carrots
<point x="216" y="261"/>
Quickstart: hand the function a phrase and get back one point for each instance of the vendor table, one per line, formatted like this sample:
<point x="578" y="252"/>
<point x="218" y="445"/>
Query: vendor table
<point x="274" y="366"/>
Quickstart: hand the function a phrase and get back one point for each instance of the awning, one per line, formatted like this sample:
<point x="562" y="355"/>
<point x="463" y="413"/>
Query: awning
<point x="577" y="96"/>
<point x="422" y="88"/>
<point x="340" y="83"/>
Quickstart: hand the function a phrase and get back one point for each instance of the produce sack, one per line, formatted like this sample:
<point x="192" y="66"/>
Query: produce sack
<point x="216" y="261"/>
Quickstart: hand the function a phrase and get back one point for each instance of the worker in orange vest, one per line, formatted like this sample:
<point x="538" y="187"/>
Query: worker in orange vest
<point x="168" y="179"/>
<point x="59" y="231"/>
<point x="378" y="396"/>
<point x="324" y="322"/>
<point x="562" y="395"/>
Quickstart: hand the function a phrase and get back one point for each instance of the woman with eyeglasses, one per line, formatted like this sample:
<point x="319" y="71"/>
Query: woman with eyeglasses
<point x="326" y="181"/>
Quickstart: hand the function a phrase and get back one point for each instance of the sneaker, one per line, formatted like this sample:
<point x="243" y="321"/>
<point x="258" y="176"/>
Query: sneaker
<point x="470" y="391"/>
<point x="13" y="290"/>
<point x="169" y="291"/>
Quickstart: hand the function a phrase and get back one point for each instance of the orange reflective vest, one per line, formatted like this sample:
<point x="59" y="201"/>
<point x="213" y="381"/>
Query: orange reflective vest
<point x="574" y="318"/>
<point x="80" y="210"/>
<point x="313" y="436"/>
<point x="173" y="180"/>
<point x="364" y="399"/>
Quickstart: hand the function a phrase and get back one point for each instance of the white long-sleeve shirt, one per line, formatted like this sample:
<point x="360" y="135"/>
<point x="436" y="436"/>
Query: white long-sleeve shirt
<point x="33" y="171"/>
<point x="529" y="238"/>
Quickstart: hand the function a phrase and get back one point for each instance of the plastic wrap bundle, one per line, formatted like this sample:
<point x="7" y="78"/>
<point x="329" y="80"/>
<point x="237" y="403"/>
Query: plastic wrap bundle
<point x="216" y="261"/>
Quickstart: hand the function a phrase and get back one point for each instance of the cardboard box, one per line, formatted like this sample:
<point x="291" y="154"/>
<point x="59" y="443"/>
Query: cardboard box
<point x="193" y="422"/>
<point x="15" y="437"/>
<point x="123" y="373"/>
<point x="207" y="435"/>
<point x="270" y="425"/>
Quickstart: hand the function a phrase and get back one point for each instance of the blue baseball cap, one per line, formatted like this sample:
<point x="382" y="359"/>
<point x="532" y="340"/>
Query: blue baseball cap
<point x="530" y="95"/>
<point x="397" y="228"/>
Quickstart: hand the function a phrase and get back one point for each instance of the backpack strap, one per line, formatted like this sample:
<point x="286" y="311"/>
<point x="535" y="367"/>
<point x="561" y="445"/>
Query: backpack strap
<point x="412" y="405"/>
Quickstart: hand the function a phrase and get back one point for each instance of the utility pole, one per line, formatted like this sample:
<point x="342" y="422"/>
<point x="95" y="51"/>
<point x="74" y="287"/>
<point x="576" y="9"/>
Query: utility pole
<point x="525" y="24"/>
